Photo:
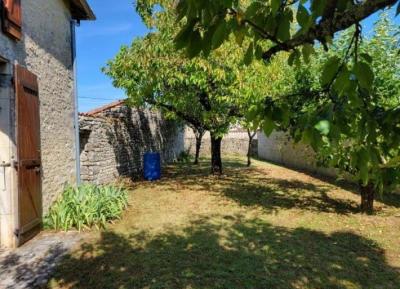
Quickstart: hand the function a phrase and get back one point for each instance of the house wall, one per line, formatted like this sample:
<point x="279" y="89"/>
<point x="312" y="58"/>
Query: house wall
<point x="45" y="50"/>
<point x="280" y="148"/>
<point x="235" y="142"/>
<point x="113" y="143"/>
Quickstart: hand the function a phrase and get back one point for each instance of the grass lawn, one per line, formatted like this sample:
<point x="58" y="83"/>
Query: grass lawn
<point x="260" y="227"/>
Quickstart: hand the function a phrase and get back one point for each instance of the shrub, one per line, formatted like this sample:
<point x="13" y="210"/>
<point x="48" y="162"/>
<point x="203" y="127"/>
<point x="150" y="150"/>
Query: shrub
<point x="87" y="206"/>
<point x="184" y="157"/>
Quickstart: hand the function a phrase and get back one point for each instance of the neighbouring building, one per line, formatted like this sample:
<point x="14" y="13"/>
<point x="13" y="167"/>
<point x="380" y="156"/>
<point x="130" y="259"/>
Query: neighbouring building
<point x="115" y="137"/>
<point x="39" y="138"/>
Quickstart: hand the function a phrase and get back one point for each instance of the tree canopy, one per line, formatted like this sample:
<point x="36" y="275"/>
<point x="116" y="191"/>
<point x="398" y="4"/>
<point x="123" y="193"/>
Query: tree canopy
<point x="210" y="93"/>
<point x="355" y="125"/>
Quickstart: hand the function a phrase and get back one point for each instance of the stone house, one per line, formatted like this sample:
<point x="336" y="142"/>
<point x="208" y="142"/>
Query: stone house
<point x="38" y="116"/>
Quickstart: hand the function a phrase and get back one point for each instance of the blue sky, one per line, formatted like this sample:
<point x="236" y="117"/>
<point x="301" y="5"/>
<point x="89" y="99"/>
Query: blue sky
<point x="100" y="40"/>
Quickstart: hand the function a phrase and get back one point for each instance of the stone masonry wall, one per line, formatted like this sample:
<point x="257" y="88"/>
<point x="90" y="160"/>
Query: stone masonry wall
<point x="280" y="148"/>
<point x="234" y="143"/>
<point x="113" y="143"/>
<point x="46" y="51"/>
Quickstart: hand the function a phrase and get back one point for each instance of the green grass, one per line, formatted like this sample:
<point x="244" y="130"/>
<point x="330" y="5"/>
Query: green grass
<point x="259" y="227"/>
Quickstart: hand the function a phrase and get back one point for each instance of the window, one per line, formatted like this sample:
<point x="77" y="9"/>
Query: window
<point x="12" y="18"/>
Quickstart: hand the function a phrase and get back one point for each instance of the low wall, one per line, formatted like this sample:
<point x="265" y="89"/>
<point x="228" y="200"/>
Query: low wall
<point x="280" y="148"/>
<point x="113" y="143"/>
<point x="236" y="142"/>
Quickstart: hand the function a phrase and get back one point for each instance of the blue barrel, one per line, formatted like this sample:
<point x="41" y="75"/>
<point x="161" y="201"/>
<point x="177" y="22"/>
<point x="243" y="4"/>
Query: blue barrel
<point x="152" y="166"/>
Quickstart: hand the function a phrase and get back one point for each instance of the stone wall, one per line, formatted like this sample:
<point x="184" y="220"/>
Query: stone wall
<point x="236" y="142"/>
<point x="113" y="142"/>
<point x="280" y="148"/>
<point x="45" y="49"/>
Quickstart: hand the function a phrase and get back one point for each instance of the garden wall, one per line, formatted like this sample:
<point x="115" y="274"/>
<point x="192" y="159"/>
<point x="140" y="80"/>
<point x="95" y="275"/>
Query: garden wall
<point x="236" y="142"/>
<point x="281" y="149"/>
<point x="114" y="140"/>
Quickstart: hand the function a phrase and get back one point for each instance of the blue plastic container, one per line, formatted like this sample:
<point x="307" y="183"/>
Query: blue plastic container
<point x="152" y="166"/>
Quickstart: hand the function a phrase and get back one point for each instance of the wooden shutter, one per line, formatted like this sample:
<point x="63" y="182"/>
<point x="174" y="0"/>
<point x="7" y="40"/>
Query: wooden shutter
<point x="12" y="18"/>
<point x="29" y="157"/>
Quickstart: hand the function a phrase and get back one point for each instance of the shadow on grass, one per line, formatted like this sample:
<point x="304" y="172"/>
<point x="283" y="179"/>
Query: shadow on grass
<point x="234" y="253"/>
<point x="388" y="198"/>
<point x="254" y="187"/>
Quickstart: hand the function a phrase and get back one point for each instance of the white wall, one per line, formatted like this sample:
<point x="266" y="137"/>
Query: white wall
<point x="281" y="149"/>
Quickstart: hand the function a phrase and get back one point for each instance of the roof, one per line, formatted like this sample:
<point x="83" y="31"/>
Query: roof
<point x="103" y="108"/>
<point x="81" y="10"/>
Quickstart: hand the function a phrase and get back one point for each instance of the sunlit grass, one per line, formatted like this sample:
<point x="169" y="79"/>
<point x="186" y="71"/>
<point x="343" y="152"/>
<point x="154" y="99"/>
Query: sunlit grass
<point x="263" y="227"/>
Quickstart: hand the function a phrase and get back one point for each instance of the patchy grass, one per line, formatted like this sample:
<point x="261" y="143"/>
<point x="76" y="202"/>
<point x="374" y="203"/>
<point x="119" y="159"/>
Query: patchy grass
<point x="259" y="227"/>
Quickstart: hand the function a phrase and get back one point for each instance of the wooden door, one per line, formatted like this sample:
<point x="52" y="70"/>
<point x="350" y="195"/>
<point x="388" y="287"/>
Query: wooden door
<point x="29" y="159"/>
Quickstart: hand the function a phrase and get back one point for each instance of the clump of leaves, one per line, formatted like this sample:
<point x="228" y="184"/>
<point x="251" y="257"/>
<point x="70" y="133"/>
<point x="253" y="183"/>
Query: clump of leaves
<point x="184" y="157"/>
<point x="87" y="206"/>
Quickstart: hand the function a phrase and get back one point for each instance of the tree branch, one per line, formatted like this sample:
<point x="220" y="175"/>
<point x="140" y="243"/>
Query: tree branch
<point x="329" y="25"/>
<point x="186" y="117"/>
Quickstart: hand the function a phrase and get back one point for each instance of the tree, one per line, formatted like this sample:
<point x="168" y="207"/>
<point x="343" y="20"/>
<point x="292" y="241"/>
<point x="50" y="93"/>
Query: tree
<point x="251" y="135"/>
<point x="272" y="20"/>
<point x="198" y="134"/>
<point x="200" y="91"/>
<point x="354" y="124"/>
<point x="343" y="105"/>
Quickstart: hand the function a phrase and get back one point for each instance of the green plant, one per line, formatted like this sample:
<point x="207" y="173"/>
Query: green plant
<point x="87" y="206"/>
<point x="184" y="157"/>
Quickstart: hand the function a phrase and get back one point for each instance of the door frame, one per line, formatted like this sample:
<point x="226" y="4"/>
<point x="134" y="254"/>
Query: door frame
<point x="8" y="173"/>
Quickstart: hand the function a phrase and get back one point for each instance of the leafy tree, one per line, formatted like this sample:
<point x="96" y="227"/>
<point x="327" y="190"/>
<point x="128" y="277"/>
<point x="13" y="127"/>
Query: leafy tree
<point x="344" y="102"/>
<point x="289" y="25"/>
<point x="200" y="91"/>
<point x="209" y="92"/>
<point x="351" y="116"/>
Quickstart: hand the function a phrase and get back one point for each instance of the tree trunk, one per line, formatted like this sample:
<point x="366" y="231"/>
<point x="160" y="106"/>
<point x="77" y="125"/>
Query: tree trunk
<point x="216" y="162"/>
<point x="367" y="198"/>
<point x="198" y="147"/>
<point x="251" y="137"/>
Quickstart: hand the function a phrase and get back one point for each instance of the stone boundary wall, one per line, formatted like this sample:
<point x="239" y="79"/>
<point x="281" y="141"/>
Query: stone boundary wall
<point x="281" y="149"/>
<point x="234" y="143"/>
<point x="113" y="143"/>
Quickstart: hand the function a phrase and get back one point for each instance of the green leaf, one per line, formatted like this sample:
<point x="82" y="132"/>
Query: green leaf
<point x="195" y="44"/>
<point x="293" y="57"/>
<point x="275" y="4"/>
<point x="342" y="81"/>
<point x="330" y="69"/>
<point x="248" y="57"/>
<point x="366" y="57"/>
<point x="323" y="127"/>
<point x="268" y="126"/>
<point x="283" y="32"/>
<point x="318" y="7"/>
<point x="308" y="49"/>
<point x="303" y="17"/>
<point x="219" y="35"/>
<point x="364" y="74"/>
<point x="252" y="113"/>
<point x="239" y="36"/>
<point x="182" y="38"/>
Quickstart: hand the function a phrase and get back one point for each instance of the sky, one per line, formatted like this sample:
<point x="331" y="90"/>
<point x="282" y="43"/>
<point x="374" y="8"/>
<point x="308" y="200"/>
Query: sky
<point x="99" y="41"/>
